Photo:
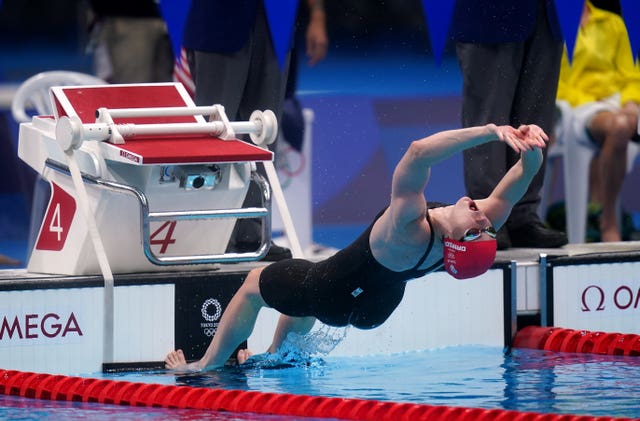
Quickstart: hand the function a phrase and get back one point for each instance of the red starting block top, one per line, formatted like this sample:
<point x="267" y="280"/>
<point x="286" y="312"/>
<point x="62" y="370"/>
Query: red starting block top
<point x="83" y="101"/>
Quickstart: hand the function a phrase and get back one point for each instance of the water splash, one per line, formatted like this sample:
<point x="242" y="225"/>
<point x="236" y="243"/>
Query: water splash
<point x="302" y="350"/>
<point x="317" y="342"/>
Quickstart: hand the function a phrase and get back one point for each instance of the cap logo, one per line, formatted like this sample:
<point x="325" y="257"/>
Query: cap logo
<point x="455" y="246"/>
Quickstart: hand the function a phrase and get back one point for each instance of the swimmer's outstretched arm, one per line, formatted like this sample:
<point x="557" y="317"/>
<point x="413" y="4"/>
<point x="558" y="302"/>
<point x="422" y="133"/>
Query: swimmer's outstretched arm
<point x="235" y="326"/>
<point x="412" y="172"/>
<point x="424" y="153"/>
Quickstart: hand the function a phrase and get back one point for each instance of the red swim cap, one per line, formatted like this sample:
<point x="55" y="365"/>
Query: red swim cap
<point x="466" y="259"/>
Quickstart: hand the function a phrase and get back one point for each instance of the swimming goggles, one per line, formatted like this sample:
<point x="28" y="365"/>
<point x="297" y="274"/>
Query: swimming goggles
<point x="473" y="233"/>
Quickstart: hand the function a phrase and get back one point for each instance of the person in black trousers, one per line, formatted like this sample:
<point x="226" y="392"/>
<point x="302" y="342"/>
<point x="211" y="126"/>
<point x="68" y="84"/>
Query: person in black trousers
<point x="233" y="62"/>
<point x="509" y="53"/>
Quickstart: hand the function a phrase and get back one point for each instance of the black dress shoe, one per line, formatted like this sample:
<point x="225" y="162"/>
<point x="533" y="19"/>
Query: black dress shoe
<point x="503" y="239"/>
<point x="277" y="253"/>
<point x="536" y="235"/>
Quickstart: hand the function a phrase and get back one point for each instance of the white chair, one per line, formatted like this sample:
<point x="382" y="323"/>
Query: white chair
<point x="32" y="98"/>
<point x="576" y="161"/>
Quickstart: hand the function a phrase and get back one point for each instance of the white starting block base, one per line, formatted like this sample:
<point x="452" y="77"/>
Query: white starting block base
<point x="161" y="200"/>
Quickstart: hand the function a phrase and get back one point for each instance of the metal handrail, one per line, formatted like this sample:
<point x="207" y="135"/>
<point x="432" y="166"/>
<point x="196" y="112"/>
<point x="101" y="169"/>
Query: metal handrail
<point x="147" y="217"/>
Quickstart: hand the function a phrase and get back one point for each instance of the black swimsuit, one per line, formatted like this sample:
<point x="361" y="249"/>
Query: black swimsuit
<point x="350" y="287"/>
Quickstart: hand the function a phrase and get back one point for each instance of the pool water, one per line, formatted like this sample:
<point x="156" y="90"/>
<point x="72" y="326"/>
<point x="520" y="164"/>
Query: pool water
<point x="482" y="377"/>
<point x="469" y="376"/>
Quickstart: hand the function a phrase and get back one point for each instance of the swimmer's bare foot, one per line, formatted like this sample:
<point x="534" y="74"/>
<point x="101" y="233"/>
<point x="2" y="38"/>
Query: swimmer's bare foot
<point x="175" y="360"/>
<point x="243" y="355"/>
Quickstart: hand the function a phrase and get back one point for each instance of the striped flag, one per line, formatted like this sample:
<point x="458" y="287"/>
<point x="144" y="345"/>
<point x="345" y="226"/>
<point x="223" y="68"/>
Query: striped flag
<point x="182" y="74"/>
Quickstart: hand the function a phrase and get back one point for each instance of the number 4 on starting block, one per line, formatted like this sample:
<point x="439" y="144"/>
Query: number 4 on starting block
<point x="57" y="221"/>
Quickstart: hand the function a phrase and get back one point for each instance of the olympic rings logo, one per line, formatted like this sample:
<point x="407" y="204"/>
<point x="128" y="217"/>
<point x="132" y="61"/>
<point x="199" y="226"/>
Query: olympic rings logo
<point x="209" y="331"/>
<point x="205" y="310"/>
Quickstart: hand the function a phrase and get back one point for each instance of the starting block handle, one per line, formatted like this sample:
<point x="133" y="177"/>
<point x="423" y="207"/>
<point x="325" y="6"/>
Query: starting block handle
<point x="262" y="125"/>
<point x="158" y="111"/>
<point x="128" y="130"/>
<point x="71" y="132"/>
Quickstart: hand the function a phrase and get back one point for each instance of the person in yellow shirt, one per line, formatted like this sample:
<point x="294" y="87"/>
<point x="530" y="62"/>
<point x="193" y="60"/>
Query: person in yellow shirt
<point x="602" y="85"/>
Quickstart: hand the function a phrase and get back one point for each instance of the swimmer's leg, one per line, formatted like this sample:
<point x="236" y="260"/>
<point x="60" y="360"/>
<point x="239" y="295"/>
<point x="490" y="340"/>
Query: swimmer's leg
<point x="287" y="324"/>
<point x="235" y="326"/>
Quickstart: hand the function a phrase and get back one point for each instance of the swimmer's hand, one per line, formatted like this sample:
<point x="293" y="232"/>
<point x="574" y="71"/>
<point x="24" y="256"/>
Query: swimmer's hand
<point x="176" y="361"/>
<point x="524" y="138"/>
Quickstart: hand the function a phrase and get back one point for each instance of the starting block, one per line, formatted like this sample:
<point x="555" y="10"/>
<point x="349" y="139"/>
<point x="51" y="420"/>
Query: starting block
<point x="164" y="184"/>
